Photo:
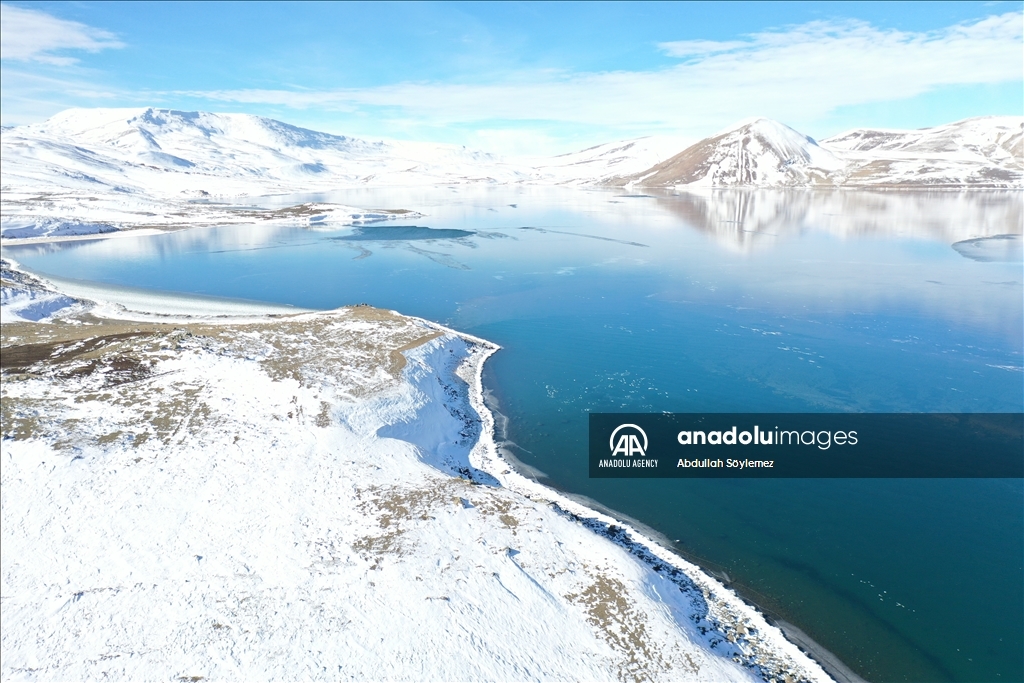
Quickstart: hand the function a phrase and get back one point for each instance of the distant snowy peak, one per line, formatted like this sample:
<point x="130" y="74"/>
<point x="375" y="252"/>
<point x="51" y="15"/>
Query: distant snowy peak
<point x="152" y="129"/>
<point x="985" y="151"/>
<point x="990" y="138"/>
<point x="205" y="142"/>
<point x="758" y="152"/>
<point x="165" y="152"/>
<point x="979" y="152"/>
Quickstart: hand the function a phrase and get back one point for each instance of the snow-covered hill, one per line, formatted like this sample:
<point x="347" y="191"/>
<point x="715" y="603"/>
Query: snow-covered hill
<point x="979" y="152"/>
<point x="603" y="163"/>
<point x="984" y="151"/>
<point x="990" y="138"/>
<point x="166" y="153"/>
<point x="759" y="152"/>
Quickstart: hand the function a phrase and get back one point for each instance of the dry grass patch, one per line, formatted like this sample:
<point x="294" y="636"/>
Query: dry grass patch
<point x="396" y="510"/>
<point x="608" y="609"/>
<point x="358" y="351"/>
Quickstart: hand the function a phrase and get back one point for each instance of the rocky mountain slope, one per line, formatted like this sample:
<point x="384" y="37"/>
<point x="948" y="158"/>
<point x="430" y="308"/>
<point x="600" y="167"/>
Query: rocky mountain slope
<point x="760" y="152"/>
<point x="978" y="152"/>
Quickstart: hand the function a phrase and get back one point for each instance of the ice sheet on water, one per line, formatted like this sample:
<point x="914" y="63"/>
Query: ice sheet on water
<point x="402" y="233"/>
<point x="1001" y="248"/>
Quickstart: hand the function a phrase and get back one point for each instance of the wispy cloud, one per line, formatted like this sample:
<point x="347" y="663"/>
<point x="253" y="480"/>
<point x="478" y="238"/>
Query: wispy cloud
<point x="32" y="36"/>
<point x="795" y="74"/>
<point x="687" y="48"/>
<point x="31" y="97"/>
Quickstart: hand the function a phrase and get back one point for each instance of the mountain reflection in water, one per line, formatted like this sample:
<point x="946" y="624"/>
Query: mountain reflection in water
<point x="755" y="219"/>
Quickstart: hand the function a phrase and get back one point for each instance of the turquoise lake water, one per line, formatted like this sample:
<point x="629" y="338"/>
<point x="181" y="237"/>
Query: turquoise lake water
<point x="732" y="301"/>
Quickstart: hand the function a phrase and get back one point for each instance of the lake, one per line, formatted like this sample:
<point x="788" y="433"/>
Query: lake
<point x="722" y="301"/>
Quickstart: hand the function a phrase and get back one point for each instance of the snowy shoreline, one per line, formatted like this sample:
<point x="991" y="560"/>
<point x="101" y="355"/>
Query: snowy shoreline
<point x="728" y="622"/>
<point x="732" y="609"/>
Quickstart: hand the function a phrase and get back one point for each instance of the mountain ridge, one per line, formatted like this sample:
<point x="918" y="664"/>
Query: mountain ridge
<point x="976" y="152"/>
<point x="171" y="152"/>
<point x="165" y="152"/>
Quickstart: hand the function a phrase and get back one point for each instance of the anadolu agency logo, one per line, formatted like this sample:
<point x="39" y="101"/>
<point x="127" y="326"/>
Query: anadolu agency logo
<point x="628" y="442"/>
<point x="628" y="446"/>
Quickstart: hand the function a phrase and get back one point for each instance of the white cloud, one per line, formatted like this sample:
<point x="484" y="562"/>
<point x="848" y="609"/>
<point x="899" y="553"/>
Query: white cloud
<point x="798" y="74"/>
<point x="801" y="75"/>
<point x="686" y="48"/>
<point x="29" y="97"/>
<point x="33" y="36"/>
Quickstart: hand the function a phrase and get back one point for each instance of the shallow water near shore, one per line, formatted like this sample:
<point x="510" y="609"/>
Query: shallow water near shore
<point x="732" y="301"/>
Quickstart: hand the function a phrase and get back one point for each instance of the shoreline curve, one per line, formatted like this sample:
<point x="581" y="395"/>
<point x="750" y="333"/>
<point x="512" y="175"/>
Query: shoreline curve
<point x="486" y="456"/>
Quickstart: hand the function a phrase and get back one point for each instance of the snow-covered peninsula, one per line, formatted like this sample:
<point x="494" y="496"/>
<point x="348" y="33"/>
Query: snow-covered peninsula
<point x="312" y="495"/>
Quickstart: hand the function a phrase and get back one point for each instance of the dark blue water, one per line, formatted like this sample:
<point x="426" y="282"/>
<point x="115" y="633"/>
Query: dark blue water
<point x="733" y="302"/>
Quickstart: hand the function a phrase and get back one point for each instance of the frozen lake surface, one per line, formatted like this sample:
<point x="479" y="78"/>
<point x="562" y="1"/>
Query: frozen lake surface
<point x="729" y="301"/>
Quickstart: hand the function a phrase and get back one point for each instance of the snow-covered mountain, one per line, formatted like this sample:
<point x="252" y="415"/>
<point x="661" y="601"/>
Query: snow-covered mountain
<point x="991" y="138"/>
<point x="983" y="151"/>
<point x="758" y="152"/>
<point x="978" y="152"/>
<point x="162" y="152"/>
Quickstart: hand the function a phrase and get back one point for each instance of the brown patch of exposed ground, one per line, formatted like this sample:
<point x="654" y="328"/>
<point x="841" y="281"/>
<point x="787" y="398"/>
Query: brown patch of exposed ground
<point x="608" y="608"/>
<point x="90" y="359"/>
<point x="395" y="509"/>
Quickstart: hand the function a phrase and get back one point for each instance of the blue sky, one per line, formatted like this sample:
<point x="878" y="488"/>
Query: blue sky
<point x="522" y="77"/>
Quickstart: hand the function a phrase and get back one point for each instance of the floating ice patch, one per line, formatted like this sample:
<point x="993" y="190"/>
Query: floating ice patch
<point x="402" y="233"/>
<point x="1002" y="248"/>
<point x="1011" y="368"/>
